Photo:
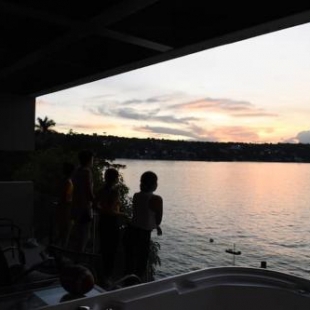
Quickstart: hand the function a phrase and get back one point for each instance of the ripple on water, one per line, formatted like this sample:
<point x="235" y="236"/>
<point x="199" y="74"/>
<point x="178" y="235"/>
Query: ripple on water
<point x="254" y="205"/>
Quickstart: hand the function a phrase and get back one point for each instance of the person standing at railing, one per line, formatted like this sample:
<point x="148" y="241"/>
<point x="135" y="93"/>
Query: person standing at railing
<point x="108" y="204"/>
<point x="63" y="220"/>
<point x="147" y="211"/>
<point x="82" y="201"/>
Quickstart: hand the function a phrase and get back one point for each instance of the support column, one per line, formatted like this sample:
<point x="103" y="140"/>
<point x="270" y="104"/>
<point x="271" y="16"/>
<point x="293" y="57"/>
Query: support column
<point x="17" y="118"/>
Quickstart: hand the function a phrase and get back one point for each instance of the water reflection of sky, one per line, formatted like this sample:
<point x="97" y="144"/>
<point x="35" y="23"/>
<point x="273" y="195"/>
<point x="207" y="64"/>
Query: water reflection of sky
<point x="264" y="208"/>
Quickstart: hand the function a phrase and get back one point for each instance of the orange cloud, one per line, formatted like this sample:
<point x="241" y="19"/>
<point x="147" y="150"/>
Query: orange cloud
<point x="234" y="108"/>
<point x="218" y="134"/>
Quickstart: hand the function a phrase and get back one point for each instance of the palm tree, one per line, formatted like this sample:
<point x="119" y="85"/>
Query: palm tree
<point x="44" y="125"/>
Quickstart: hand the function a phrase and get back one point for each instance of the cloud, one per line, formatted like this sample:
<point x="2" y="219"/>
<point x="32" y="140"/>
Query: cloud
<point x="167" y="131"/>
<point x="152" y="115"/>
<point x="139" y="114"/>
<point x="174" y="120"/>
<point x="102" y="110"/>
<point x="236" y="134"/>
<point x="182" y="119"/>
<point x="255" y="114"/>
<point x="109" y="99"/>
<point x="206" y="103"/>
<point x="140" y="101"/>
<point x="223" y="134"/>
<point x="131" y="113"/>
<point x="100" y="97"/>
<point x="290" y="140"/>
<point x="133" y="101"/>
<point x="302" y="137"/>
<point x="86" y="126"/>
<point x="234" y="108"/>
<point x="155" y="99"/>
<point x="226" y="133"/>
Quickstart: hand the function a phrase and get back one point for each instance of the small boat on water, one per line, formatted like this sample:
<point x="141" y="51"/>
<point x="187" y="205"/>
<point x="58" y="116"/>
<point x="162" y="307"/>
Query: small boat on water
<point x="222" y="288"/>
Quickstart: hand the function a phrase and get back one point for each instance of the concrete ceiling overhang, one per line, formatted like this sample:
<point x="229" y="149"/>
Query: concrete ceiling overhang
<point x="51" y="45"/>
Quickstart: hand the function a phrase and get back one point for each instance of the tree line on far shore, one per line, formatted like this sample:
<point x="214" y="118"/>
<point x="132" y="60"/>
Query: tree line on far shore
<point x="111" y="147"/>
<point x="107" y="147"/>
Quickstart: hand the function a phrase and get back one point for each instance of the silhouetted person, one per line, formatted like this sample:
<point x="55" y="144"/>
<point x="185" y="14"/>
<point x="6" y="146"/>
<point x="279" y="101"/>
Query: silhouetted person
<point x="147" y="211"/>
<point x="82" y="202"/>
<point x="108" y="203"/>
<point x="63" y="209"/>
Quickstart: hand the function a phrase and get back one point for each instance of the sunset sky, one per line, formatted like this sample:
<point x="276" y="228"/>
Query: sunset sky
<point x="257" y="90"/>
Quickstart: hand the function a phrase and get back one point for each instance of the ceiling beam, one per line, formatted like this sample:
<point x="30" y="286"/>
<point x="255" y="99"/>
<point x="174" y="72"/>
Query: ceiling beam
<point x="96" y="25"/>
<point x="121" y="10"/>
<point x="119" y="36"/>
<point x="78" y="30"/>
<point x="279" y="24"/>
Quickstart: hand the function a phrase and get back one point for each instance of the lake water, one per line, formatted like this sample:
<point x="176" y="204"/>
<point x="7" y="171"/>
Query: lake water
<point x="262" y="208"/>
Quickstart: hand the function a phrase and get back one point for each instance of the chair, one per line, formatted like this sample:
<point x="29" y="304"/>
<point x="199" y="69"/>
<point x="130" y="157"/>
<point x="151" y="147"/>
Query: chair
<point x="13" y="269"/>
<point x="12" y="274"/>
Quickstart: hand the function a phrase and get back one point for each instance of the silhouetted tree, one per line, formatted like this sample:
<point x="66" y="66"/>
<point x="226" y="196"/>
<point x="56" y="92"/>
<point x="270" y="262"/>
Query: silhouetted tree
<point x="44" y="125"/>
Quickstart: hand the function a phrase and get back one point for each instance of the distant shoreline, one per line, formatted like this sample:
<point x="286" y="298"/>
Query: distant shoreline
<point x="111" y="147"/>
<point x="216" y="161"/>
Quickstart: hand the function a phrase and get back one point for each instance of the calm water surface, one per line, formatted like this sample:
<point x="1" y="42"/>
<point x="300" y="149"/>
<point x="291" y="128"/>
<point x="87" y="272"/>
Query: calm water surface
<point x="262" y="208"/>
